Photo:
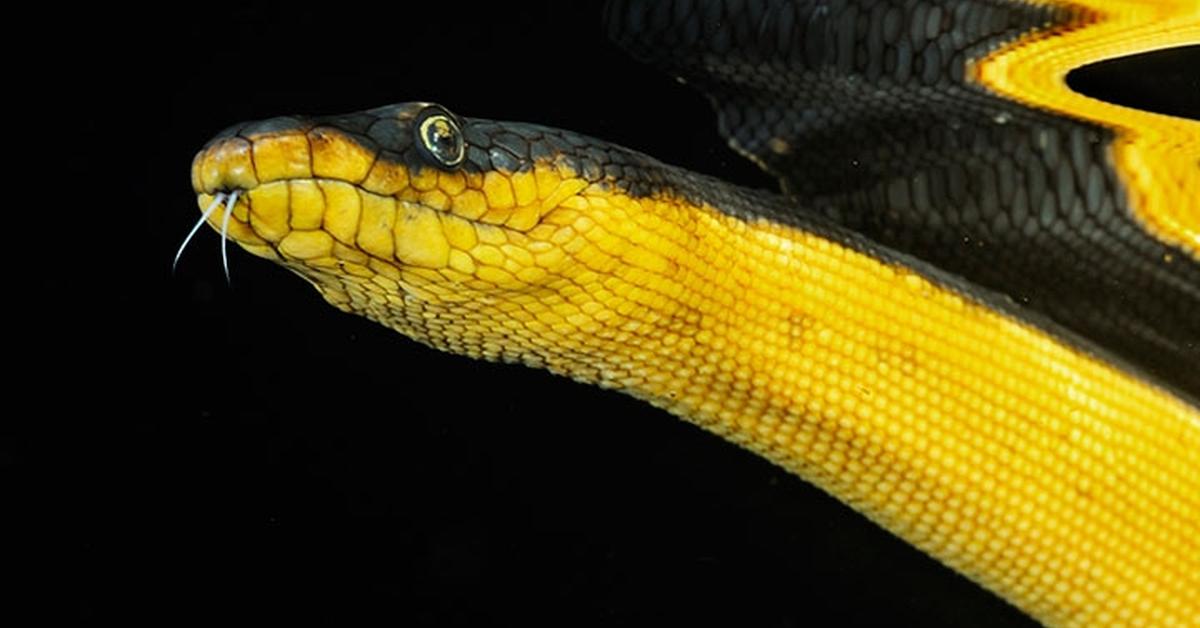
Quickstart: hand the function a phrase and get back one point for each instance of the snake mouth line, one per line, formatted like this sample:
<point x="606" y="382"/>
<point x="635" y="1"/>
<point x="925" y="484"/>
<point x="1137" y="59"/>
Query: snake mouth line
<point x="324" y="226"/>
<point x="272" y="229"/>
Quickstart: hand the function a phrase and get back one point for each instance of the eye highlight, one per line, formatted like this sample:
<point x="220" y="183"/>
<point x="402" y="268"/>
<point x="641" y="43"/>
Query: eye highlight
<point x="439" y="137"/>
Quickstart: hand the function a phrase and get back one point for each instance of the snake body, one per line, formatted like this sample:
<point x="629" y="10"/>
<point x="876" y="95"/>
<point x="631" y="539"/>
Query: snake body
<point x="1037" y="189"/>
<point x="887" y="328"/>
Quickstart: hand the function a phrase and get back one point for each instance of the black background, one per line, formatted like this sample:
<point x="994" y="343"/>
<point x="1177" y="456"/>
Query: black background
<point x="246" y="452"/>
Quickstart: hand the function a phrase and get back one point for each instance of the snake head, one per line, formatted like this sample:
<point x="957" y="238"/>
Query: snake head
<point x="406" y="212"/>
<point x="402" y="191"/>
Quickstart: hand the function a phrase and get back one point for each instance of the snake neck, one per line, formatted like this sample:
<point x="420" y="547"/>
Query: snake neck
<point x="937" y="417"/>
<point x="639" y="294"/>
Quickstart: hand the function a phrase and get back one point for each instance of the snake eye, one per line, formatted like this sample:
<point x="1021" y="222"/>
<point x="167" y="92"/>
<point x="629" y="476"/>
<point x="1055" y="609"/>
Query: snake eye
<point x="440" y="138"/>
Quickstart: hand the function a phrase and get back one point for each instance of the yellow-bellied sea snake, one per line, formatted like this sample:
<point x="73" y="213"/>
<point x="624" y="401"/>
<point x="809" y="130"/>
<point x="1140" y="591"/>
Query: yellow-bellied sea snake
<point x="973" y="314"/>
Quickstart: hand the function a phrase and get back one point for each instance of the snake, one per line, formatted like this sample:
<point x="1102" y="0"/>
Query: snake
<point x="971" y="311"/>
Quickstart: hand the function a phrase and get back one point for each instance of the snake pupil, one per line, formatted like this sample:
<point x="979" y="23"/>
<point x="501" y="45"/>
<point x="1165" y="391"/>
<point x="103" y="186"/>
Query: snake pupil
<point x="441" y="140"/>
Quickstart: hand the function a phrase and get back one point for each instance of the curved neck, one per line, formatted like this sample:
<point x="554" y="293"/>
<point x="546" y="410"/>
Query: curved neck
<point x="1068" y="487"/>
<point x="1065" y="486"/>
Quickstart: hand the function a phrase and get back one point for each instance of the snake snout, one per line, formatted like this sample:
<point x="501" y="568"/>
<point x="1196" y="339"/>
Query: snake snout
<point x="223" y="166"/>
<point x="236" y="165"/>
<point x="246" y="156"/>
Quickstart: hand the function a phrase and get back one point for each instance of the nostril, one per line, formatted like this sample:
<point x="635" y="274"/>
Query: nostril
<point x="224" y="166"/>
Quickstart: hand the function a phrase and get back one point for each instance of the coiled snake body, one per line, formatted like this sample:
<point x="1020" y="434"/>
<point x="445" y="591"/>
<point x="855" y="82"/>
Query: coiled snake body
<point x="890" y="328"/>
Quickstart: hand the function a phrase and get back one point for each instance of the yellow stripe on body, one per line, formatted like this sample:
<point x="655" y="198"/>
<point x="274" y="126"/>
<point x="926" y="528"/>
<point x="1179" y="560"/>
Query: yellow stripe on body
<point x="1157" y="156"/>
<point x="1066" y="486"/>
